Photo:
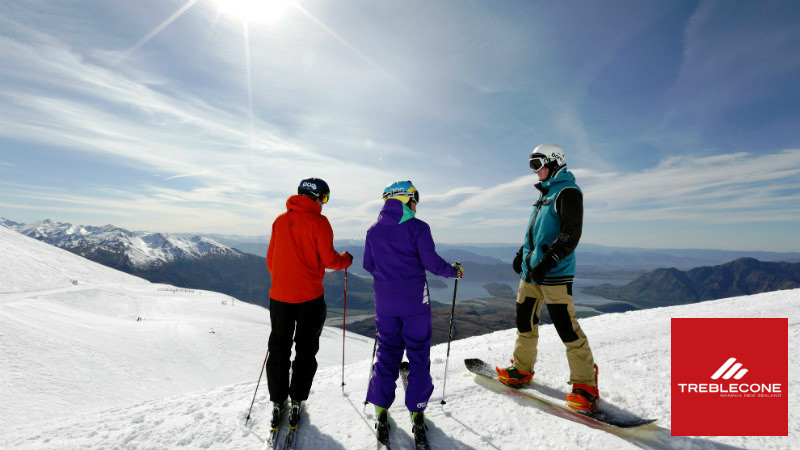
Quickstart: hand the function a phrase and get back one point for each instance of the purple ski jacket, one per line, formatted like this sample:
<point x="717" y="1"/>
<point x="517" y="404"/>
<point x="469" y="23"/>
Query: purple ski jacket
<point x="397" y="253"/>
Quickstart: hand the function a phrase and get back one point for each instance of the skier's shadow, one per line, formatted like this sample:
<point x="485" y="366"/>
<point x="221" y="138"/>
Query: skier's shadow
<point x="362" y="416"/>
<point x="653" y="437"/>
<point x="486" y="439"/>
<point x="308" y="435"/>
<point x="436" y="436"/>
<point x="554" y="394"/>
<point x="439" y="439"/>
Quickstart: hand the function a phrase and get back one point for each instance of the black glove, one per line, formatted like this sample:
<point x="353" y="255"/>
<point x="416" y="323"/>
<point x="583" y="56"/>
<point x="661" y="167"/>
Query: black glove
<point x="459" y="269"/>
<point x="517" y="264"/>
<point x="542" y="267"/>
<point x="348" y="254"/>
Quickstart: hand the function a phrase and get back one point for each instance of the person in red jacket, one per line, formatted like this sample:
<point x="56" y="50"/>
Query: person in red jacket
<point x="300" y="249"/>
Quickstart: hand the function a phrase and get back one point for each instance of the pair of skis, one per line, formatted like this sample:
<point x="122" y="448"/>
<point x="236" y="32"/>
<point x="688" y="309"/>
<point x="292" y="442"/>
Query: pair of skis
<point x="419" y="430"/>
<point x="290" y="441"/>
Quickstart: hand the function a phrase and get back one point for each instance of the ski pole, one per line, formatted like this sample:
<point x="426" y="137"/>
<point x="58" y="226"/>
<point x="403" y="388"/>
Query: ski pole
<point x="372" y="366"/>
<point x="449" y="338"/>
<point x="344" y="323"/>
<point x="257" y="384"/>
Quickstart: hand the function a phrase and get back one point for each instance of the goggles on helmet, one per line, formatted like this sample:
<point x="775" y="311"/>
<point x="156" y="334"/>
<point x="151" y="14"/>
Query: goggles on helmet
<point x="537" y="162"/>
<point x="403" y="189"/>
<point x="325" y="197"/>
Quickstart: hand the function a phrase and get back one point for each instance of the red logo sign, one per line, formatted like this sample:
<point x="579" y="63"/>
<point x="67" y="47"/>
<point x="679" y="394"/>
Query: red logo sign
<point x="730" y="377"/>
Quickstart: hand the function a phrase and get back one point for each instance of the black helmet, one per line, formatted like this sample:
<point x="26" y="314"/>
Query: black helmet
<point x="315" y="189"/>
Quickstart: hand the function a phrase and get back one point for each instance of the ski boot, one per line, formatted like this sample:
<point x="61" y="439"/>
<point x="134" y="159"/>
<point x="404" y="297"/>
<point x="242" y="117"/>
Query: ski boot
<point x="294" y="414"/>
<point x="513" y="376"/>
<point x="419" y="430"/>
<point x="584" y="397"/>
<point x="277" y="414"/>
<point x="418" y="419"/>
<point x="382" y="426"/>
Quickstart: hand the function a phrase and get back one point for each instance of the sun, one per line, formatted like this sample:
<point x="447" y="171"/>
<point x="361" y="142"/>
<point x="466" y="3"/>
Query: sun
<point x="253" y="10"/>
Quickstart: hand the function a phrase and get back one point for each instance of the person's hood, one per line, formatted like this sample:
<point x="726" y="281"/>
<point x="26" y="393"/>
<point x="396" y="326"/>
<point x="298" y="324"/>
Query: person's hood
<point x="394" y="212"/>
<point x="302" y="203"/>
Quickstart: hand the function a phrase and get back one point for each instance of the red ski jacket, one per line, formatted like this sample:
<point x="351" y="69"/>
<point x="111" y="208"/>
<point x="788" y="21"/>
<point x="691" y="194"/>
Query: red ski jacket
<point x="300" y="249"/>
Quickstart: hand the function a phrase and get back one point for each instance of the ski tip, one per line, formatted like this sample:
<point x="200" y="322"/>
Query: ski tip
<point x="474" y="362"/>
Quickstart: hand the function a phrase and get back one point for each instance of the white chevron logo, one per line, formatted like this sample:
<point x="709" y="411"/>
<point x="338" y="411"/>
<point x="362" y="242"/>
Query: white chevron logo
<point x="729" y="369"/>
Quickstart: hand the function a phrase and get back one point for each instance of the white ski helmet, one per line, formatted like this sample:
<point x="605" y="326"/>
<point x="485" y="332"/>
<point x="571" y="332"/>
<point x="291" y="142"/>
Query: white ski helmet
<point x="547" y="155"/>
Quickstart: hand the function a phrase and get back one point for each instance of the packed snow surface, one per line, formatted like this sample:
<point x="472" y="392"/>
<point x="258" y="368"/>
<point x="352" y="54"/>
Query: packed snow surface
<point x="79" y="370"/>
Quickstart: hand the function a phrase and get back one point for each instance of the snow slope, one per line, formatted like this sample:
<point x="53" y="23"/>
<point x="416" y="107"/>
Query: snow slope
<point x="66" y="349"/>
<point x="169" y="383"/>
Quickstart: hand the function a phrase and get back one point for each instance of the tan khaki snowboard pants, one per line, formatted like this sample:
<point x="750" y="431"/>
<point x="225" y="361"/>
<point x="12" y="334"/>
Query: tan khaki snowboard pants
<point x="558" y="298"/>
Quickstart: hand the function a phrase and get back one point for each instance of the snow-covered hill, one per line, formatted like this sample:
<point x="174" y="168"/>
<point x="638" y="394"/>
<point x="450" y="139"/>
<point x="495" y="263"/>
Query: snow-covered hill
<point x="71" y="340"/>
<point x="77" y="370"/>
<point x="139" y="249"/>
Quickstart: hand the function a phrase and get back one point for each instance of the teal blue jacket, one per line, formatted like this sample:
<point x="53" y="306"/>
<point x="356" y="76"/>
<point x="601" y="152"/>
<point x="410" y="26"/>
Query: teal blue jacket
<point x="554" y="228"/>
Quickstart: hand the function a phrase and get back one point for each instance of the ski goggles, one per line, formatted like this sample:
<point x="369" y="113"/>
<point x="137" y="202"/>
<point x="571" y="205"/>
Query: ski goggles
<point x="537" y="162"/>
<point x="412" y="194"/>
<point x="325" y="197"/>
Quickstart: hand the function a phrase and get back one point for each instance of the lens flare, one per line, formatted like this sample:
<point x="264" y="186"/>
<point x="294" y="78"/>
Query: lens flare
<point x="252" y="11"/>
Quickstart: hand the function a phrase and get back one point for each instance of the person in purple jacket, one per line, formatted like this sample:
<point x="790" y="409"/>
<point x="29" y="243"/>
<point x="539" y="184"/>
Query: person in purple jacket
<point x="399" y="248"/>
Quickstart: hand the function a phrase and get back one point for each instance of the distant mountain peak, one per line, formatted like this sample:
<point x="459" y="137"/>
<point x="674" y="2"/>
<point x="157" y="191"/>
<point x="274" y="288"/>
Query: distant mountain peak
<point x="118" y="246"/>
<point x="743" y="276"/>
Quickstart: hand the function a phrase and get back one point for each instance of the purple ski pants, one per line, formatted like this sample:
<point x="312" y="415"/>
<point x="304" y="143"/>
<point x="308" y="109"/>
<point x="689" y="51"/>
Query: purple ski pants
<point x="396" y="334"/>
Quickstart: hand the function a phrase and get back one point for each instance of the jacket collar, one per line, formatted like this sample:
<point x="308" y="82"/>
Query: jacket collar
<point x="302" y="203"/>
<point x="562" y="175"/>
<point x="394" y="212"/>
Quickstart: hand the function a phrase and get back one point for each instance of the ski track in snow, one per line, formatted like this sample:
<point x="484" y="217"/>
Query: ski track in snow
<point x="77" y="370"/>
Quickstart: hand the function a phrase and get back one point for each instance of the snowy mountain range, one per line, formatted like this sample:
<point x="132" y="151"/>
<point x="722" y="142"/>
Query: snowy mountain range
<point x="78" y="370"/>
<point x="663" y="287"/>
<point x="194" y="262"/>
<point x="139" y="250"/>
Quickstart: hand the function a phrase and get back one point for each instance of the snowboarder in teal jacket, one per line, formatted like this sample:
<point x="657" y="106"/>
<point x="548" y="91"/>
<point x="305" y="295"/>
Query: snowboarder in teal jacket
<point x="546" y="264"/>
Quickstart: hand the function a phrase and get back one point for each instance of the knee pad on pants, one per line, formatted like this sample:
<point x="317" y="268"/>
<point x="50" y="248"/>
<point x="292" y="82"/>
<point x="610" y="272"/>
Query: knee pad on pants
<point x="525" y="311"/>
<point x="563" y="322"/>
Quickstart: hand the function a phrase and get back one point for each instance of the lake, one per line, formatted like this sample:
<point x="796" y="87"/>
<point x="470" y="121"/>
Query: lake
<point x="468" y="289"/>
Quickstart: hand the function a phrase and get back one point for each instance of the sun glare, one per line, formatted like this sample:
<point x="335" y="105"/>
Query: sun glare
<point x="253" y="10"/>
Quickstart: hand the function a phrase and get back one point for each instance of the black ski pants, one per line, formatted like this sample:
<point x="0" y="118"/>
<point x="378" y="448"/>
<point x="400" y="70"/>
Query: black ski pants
<point x="303" y="322"/>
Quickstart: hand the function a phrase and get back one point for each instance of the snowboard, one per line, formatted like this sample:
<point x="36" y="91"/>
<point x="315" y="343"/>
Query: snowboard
<point x="599" y="418"/>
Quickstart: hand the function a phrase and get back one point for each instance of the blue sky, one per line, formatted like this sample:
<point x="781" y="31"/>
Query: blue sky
<point x="680" y="119"/>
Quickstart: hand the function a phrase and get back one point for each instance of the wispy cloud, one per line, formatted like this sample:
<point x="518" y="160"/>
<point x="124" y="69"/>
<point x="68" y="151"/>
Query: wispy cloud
<point x="196" y="174"/>
<point x="725" y="189"/>
<point x="159" y="28"/>
<point x="734" y="188"/>
<point x="175" y="135"/>
<point x="171" y="210"/>
<point x="212" y="124"/>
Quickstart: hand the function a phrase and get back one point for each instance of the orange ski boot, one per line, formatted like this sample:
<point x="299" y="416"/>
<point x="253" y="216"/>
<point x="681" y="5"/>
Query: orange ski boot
<point x="513" y="376"/>
<point x="584" y="397"/>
